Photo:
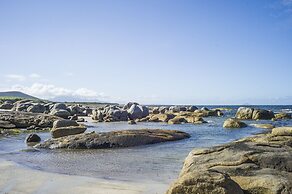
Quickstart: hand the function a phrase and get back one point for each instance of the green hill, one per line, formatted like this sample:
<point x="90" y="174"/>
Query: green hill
<point x="16" y="95"/>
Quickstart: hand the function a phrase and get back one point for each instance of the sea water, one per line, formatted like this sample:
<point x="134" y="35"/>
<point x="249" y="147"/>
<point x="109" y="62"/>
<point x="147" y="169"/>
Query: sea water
<point x="157" y="162"/>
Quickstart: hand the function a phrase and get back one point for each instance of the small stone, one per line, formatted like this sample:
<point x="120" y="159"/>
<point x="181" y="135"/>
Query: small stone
<point x="32" y="138"/>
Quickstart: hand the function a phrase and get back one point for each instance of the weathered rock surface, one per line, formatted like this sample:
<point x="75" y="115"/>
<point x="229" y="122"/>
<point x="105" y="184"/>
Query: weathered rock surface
<point x="282" y="131"/>
<point x="138" y="112"/>
<point x="59" y="106"/>
<point x="17" y="119"/>
<point x="6" y="105"/>
<point x="6" y="125"/>
<point x="233" y="123"/>
<point x="282" y="115"/>
<point x="132" y="122"/>
<point x="262" y="114"/>
<point x="36" y="108"/>
<point x="161" y="117"/>
<point x="206" y="182"/>
<point x="177" y="120"/>
<point x="207" y="113"/>
<point x="259" y="165"/>
<point x="195" y="120"/>
<point x="60" y="113"/>
<point x="110" y="113"/>
<point x="63" y="128"/>
<point x="114" y="139"/>
<point x="246" y="113"/>
<point x="129" y="104"/>
<point x="192" y="108"/>
<point x="64" y="123"/>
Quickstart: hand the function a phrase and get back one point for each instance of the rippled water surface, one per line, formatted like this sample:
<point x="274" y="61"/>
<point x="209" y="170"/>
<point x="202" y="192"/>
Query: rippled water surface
<point x="159" y="162"/>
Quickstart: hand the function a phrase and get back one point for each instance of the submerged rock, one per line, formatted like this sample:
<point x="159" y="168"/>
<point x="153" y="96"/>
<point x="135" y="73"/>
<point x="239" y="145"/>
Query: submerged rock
<point x="114" y="139"/>
<point x="263" y="126"/>
<point x="233" y="123"/>
<point x="259" y="164"/>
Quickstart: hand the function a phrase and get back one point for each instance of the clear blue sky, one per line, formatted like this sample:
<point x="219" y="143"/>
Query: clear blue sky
<point x="152" y="51"/>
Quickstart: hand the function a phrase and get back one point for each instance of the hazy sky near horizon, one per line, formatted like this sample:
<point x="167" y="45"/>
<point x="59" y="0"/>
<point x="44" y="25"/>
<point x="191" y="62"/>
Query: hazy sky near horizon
<point x="151" y="51"/>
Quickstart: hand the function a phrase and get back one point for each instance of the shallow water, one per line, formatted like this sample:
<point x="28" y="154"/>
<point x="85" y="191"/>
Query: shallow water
<point x="158" y="162"/>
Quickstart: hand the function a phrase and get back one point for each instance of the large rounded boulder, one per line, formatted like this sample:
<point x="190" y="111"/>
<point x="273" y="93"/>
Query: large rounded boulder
<point x="261" y="114"/>
<point x="59" y="106"/>
<point x="204" y="182"/>
<point x="36" y="108"/>
<point x="60" y="113"/>
<point x="244" y="113"/>
<point x="138" y="112"/>
<point x="233" y="123"/>
<point x="6" y="105"/>
<point x="32" y="138"/>
<point x="247" y="113"/>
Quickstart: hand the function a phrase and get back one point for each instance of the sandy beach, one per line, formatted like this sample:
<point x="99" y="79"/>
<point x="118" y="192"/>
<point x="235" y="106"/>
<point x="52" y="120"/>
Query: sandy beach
<point x="18" y="179"/>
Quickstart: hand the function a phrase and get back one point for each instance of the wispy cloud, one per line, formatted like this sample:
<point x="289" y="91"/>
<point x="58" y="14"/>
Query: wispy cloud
<point x="51" y="92"/>
<point x="69" y="74"/>
<point x="21" y="78"/>
<point x="15" y="77"/>
<point x="34" y="76"/>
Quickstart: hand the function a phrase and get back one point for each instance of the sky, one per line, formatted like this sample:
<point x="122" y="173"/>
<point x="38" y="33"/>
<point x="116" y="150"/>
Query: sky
<point x="149" y="51"/>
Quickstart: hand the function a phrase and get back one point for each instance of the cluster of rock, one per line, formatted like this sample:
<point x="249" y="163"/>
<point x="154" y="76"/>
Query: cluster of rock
<point x="26" y="120"/>
<point x="203" y="112"/>
<point x="57" y="109"/>
<point x="247" y="113"/>
<point x="258" y="164"/>
<point x="130" y="111"/>
<point x="113" y="139"/>
<point x="181" y="114"/>
<point x="133" y="112"/>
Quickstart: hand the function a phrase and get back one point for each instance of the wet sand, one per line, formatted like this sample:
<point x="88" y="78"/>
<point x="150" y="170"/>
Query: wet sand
<point x="18" y="179"/>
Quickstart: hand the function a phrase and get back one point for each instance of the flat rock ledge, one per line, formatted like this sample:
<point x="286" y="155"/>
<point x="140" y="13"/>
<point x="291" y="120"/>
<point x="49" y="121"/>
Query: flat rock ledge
<point x="260" y="164"/>
<point x="114" y="139"/>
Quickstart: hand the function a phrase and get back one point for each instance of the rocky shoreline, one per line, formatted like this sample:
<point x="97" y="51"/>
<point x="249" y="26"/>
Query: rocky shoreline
<point x="260" y="164"/>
